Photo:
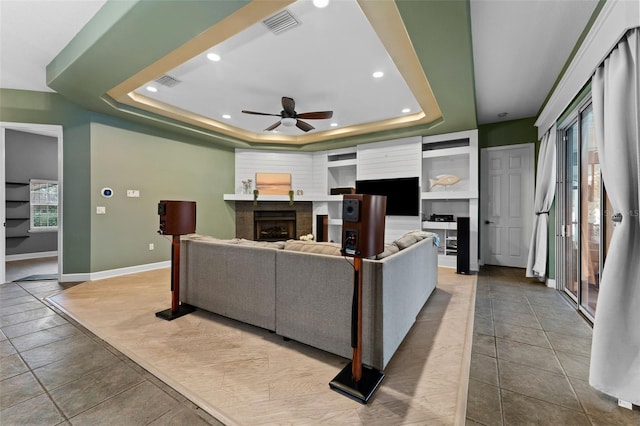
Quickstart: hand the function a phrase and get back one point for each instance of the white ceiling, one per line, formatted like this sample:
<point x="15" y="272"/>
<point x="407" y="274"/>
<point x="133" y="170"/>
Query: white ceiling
<point x="520" y="47"/>
<point x="33" y="32"/>
<point x="257" y="68"/>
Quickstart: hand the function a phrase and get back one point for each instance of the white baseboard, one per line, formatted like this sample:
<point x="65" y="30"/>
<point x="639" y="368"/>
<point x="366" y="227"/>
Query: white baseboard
<point x="94" y="276"/>
<point x="28" y="256"/>
<point x="551" y="282"/>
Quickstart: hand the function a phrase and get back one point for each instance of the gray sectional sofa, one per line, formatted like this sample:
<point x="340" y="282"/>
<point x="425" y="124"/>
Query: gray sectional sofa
<point x="303" y="291"/>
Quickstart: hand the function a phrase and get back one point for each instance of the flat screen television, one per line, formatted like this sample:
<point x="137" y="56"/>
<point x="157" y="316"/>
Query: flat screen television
<point x="403" y="194"/>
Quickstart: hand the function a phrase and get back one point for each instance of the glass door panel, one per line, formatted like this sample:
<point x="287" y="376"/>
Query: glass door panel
<point x="590" y="216"/>
<point x="572" y="209"/>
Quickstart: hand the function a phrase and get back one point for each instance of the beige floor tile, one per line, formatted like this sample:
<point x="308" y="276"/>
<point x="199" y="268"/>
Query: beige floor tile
<point x="250" y="376"/>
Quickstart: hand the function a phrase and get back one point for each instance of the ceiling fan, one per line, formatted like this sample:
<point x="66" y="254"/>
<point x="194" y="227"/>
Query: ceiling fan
<point x="289" y="117"/>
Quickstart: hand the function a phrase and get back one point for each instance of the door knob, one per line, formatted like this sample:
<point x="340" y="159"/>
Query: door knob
<point x="486" y="222"/>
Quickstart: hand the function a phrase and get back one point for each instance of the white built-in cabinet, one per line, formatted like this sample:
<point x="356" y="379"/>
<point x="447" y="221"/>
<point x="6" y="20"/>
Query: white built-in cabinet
<point x="426" y="157"/>
<point x="453" y="154"/>
<point x="341" y="173"/>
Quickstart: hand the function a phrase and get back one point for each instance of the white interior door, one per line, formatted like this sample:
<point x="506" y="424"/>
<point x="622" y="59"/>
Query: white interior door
<point x="507" y="204"/>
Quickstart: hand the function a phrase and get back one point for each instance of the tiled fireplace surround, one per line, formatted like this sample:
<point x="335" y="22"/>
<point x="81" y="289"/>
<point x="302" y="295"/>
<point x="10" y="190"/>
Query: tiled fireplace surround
<point x="245" y="216"/>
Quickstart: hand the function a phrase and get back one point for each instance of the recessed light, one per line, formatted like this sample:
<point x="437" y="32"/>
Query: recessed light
<point x="226" y="116"/>
<point x="502" y="114"/>
<point x="406" y="110"/>
<point x="213" y="57"/>
<point x="151" y="89"/>
<point x="320" y="3"/>
<point x="334" y="124"/>
<point x="378" y="74"/>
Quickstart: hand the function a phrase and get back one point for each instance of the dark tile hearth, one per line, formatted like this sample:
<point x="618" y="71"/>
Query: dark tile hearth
<point x="530" y="358"/>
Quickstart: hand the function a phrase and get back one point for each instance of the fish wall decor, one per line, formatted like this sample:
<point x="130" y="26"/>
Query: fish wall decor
<point x="444" y="180"/>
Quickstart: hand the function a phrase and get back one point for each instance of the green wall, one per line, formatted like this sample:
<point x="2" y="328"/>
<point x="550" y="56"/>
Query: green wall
<point x="50" y="108"/>
<point x="160" y="168"/>
<point x="103" y="151"/>
<point x="512" y="132"/>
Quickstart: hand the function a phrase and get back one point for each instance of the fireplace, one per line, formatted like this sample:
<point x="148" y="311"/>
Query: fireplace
<point x="296" y="219"/>
<point x="274" y="225"/>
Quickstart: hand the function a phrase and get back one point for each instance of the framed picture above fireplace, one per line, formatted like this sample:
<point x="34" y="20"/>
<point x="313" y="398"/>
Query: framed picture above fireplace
<point x="273" y="183"/>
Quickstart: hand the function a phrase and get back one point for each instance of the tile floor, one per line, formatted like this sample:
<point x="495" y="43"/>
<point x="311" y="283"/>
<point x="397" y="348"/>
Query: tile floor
<point x="55" y="372"/>
<point x="529" y="365"/>
<point x="530" y="358"/>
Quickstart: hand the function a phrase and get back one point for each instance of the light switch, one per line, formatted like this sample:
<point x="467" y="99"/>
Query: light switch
<point x="133" y="193"/>
<point x="101" y="210"/>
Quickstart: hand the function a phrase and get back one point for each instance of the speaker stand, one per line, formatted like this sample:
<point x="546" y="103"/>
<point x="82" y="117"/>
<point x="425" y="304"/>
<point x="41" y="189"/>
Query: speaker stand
<point x="177" y="310"/>
<point x="355" y="381"/>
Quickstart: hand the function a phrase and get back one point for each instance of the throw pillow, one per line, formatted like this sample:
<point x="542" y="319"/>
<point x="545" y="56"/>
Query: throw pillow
<point x="389" y="249"/>
<point x="406" y="240"/>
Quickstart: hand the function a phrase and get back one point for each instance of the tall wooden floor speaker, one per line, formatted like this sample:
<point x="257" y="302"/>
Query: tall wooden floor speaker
<point x="176" y="218"/>
<point x="363" y="218"/>
<point x="462" y="262"/>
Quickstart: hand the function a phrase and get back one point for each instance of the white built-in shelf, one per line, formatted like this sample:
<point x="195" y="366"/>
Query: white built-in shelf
<point x="249" y="197"/>
<point x="445" y="195"/>
<point x="342" y="163"/>
<point x="446" y="152"/>
<point x="429" y="224"/>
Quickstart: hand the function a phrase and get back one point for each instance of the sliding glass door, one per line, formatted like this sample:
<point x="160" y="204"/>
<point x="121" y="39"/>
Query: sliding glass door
<point x="572" y="210"/>
<point x="590" y="215"/>
<point x="584" y="226"/>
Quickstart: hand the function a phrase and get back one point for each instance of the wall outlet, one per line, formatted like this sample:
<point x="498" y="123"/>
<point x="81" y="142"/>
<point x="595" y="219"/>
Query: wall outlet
<point x="133" y="193"/>
<point x="101" y="210"/>
<point x="151" y="246"/>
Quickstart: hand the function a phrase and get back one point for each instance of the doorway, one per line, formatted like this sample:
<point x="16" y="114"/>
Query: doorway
<point x="506" y="191"/>
<point x="54" y="131"/>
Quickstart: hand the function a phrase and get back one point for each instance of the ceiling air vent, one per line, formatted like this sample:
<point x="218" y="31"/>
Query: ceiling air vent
<point x="167" y="80"/>
<point x="280" y="22"/>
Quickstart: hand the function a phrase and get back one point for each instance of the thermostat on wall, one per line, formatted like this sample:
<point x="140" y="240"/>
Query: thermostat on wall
<point x="106" y="192"/>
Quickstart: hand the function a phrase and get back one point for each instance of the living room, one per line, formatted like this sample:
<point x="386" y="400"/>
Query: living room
<point x="102" y="144"/>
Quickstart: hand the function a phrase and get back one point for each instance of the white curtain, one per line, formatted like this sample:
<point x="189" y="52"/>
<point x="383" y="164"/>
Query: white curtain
<point x="615" y="350"/>
<point x="545" y="191"/>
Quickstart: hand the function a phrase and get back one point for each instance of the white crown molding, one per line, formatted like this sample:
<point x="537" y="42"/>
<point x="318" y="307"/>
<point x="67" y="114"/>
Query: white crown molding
<point x="614" y="20"/>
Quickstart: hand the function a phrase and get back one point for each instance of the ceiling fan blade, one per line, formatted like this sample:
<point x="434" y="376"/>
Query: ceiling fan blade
<point x="289" y="106"/>
<point x="305" y="127"/>
<point x="259" y="113"/>
<point x="317" y="115"/>
<point x="273" y="126"/>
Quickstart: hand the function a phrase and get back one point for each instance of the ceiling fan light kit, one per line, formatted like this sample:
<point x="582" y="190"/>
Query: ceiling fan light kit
<point x="288" y="122"/>
<point x="289" y="117"/>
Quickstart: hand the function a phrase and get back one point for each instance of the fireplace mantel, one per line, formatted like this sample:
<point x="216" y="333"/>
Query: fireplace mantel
<point x="296" y="198"/>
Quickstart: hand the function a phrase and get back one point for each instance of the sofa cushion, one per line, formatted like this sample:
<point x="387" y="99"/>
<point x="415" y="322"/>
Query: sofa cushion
<point x="265" y="244"/>
<point x="208" y="239"/>
<point x="332" y="249"/>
